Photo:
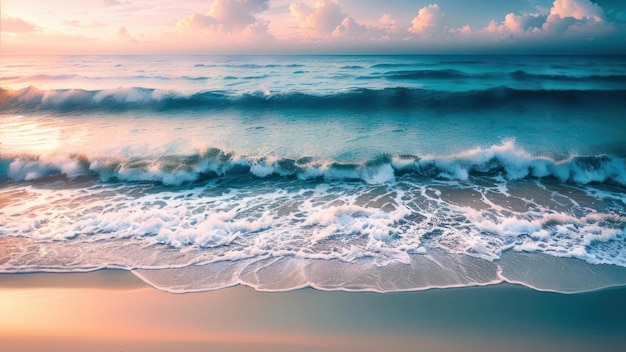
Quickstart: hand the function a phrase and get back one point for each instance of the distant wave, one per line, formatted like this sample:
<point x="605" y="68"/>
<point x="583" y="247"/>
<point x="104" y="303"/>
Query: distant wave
<point x="39" y="78"/>
<point x="352" y="67"/>
<point x="248" y="66"/>
<point x="429" y="74"/>
<point x="499" y="160"/>
<point x="461" y="62"/>
<point x="393" y="65"/>
<point x="519" y="75"/>
<point x="523" y="75"/>
<point x="32" y="99"/>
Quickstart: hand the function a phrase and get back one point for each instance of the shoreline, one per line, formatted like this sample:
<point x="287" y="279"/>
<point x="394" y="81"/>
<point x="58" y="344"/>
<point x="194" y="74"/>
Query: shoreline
<point x="110" y="310"/>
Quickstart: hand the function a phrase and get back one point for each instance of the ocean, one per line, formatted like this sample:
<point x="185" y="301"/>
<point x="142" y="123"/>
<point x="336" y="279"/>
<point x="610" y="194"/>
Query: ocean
<point x="357" y="173"/>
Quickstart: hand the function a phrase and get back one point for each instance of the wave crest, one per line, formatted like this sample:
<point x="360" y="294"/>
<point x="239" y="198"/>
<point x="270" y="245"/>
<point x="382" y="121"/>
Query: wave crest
<point x="503" y="160"/>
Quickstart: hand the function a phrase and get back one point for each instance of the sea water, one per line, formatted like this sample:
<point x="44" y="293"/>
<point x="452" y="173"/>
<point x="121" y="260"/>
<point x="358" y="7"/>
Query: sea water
<point x="375" y="173"/>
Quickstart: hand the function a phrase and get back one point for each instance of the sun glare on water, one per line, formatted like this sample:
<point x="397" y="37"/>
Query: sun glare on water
<point x="23" y="136"/>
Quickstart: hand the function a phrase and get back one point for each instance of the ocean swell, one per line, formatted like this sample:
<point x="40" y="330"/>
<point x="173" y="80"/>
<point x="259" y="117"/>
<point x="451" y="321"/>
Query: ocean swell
<point x="32" y="99"/>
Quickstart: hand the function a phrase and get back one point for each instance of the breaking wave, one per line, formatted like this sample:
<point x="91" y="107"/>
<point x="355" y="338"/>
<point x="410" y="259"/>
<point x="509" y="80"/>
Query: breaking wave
<point x="504" y="160"/>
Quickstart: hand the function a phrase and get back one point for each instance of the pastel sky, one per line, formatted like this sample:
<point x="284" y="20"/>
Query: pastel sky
<point x="312" y="26"/>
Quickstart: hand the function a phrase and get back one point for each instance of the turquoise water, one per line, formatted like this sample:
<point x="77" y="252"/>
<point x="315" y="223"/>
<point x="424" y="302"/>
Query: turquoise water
<point x="281" y="172"/>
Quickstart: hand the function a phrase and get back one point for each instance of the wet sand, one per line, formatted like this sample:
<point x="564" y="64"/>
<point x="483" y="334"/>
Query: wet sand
<point x="111" y="310"/>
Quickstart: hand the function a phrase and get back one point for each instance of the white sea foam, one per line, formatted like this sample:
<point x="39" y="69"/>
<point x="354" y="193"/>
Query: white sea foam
<point x="343" y="221"/>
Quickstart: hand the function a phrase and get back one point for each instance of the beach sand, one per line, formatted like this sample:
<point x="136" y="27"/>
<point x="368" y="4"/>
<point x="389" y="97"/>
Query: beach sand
<point x="112" y="310"/>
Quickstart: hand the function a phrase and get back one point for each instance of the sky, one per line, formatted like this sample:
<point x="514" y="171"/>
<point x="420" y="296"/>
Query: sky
<point x="30" y="27"/>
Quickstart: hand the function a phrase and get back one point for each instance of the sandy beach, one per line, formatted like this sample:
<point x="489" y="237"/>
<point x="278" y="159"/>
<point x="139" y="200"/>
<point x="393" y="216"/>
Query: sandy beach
<point x="112" y="310"/>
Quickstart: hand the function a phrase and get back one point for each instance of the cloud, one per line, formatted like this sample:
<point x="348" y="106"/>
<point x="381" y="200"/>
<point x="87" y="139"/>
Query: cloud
<point x="80" y="24"/>
<point x="388" y="28"/>
<point x="223" y="26"/>
<point x="235" y="18"/>
<point x="428" y="20"/>
<point x="321" y="21"/>
<point x="196" y="22"/>
<point x="462" y="31"/>
<point x="123" y="34"/>
<point x="349" y="28"/>
<point x="515" y="25"/>
<point x="17" y="25"/>
<point x="326" y="20"/>
<point x="576" y="18"/>
<point x="109" y="3"/>
<point x="237" y="13"/>
<point x="565" y="19"/>
<point x="578" y="9"/>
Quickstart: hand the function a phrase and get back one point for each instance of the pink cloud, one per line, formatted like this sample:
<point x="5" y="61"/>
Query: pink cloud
<point x="237" y="14"/>
<point x="17" y="25"/>
<point x="196" y="22"/>
<point x="326" y="20"/>
<point x="465" y="30"/>
<point x="256" y="30"/>
<point x="386" y="20"/>
<point x="566" y="19"/>
<point x="512" y="25"/>
<point x="122" y="32"/>
<point x="320" y="21"/>
<point x="124" y="35"/>
<point x="109" y="3"/>
<point x="80" y="24"/>
<point x="349" y="28"/>
<point x="389" y="26"/>
<point x="237" y="19"/>
<point x="428" y="20"/>
<point x="576" y="18"/>
<point x="578" y="9"/>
